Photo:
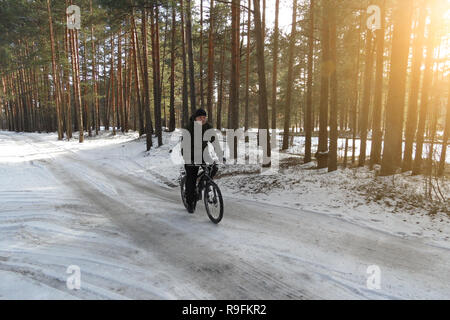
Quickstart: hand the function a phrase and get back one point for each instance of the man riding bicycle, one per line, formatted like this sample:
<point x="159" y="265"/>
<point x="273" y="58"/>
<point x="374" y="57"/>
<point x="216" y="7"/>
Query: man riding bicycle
<point x="197" y="125"/>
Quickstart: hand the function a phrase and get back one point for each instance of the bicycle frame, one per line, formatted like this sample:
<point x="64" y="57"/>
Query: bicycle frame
<point x="204" y="177"/>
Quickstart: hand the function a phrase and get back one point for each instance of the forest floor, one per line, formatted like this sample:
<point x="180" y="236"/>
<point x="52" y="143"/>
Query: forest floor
<point x="115" y="211"/>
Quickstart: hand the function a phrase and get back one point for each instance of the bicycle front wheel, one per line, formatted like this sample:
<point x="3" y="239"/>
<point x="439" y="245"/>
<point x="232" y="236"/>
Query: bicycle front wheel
<point x="213" y="202"/>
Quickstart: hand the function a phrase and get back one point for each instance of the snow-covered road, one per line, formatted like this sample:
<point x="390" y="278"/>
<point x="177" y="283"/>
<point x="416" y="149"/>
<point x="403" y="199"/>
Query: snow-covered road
<point x="95" y="208"/>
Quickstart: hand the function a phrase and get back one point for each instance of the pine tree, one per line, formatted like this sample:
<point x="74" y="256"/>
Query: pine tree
<point x="322" y="153"/>
<point x="332" y="157"/>
<point x="416" y="73"/>
<point x="209" y="96"/>
<point x="377" y="134"/>
<point x="392" y="153"/>
<point x="290" y="78"/>
<point x="275" y="64"/>
<point x="309" y="89"/>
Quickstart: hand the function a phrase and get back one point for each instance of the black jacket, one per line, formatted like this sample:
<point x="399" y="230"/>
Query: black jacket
<point x="205" y="128"/>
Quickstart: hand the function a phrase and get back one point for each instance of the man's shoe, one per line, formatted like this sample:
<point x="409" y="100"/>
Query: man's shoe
<point x="191" y="209"/>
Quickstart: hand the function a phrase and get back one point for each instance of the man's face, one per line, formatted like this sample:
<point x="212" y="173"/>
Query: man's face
<point x="201" y="120"/>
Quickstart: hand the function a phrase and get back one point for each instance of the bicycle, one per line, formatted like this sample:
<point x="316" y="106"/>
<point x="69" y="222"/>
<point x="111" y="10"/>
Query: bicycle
<point x="212" y="195"/>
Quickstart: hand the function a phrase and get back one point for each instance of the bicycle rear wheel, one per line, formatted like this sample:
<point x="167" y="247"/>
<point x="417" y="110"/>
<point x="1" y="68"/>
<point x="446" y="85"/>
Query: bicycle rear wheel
<point x="183" y="191"/>
<point x="213" y="202"/>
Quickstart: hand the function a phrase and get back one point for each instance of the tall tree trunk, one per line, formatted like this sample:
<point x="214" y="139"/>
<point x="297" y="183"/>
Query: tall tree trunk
<point x="127" y="87"/>
<point x="290" y="78"/>
<point x="55" y="75"/>
<point x="113" y="91"/>
<point x="190" y="55"/>
<point x="264" y="20"/>
<point x="209" y="97"/>
<point x="308" y="114"/>
<point x="156" y="71"/>
<point x="120" y="98"/>
<point x="263" y="104"/>
<point x="220" y="94"/>
<point x="202" y="102"/>
<point x="172" y="70"/>
<point x="322" y="153"/>
<point x="355" y="103"/>
<point x="275" y="66"/>
<point x="247" y="70"/>
<point x="134" y="45"/>
<point x="334" y="105"/>
<point x="416" y="73"/>
<point x="426" y="91"/>
<point x="367" y="95"/>
<point x="94" y="78"/>
<point x="432" y="126"/>
<point x="377" y="133"/>
<point x="148" y="117"/>
<point x="392" y="153"/>
<point x="87" y="116"/>
<point x="235" y="64"/>
<point x="76" y="82"/>
<point x="162" y="72"/>
<point x="107" y="89"/>
<point x="185" y="106"/>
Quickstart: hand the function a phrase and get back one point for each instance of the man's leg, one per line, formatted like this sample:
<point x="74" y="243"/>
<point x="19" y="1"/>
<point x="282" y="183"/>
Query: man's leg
<point x="191" y="180"/>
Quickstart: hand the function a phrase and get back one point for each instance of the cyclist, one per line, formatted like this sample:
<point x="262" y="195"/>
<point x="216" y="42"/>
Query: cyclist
<point x="199" y="118"/>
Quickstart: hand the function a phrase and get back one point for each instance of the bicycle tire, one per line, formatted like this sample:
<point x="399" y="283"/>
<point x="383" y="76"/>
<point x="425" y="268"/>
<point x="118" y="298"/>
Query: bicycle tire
<point x="183" y="191"/>
<point x="218" y="200"/>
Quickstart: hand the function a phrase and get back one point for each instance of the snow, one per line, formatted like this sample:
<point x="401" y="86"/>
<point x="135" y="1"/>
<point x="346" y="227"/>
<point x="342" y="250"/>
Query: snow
<point x="343" y="194"/>
<point x="114" y="210"/>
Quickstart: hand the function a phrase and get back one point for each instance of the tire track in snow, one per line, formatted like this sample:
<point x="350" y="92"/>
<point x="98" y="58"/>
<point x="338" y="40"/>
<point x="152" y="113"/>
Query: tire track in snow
<point x="205" y="267"/>
<point x="35" y="234"/>
<point x="254" y="275"/>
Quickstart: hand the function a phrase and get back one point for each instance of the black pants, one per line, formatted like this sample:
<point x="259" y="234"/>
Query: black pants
<point x="191" y="180"/>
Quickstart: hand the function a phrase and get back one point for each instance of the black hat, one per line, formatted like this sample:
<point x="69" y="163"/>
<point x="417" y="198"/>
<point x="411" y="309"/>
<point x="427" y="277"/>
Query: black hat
<point x="199" y="113"/>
